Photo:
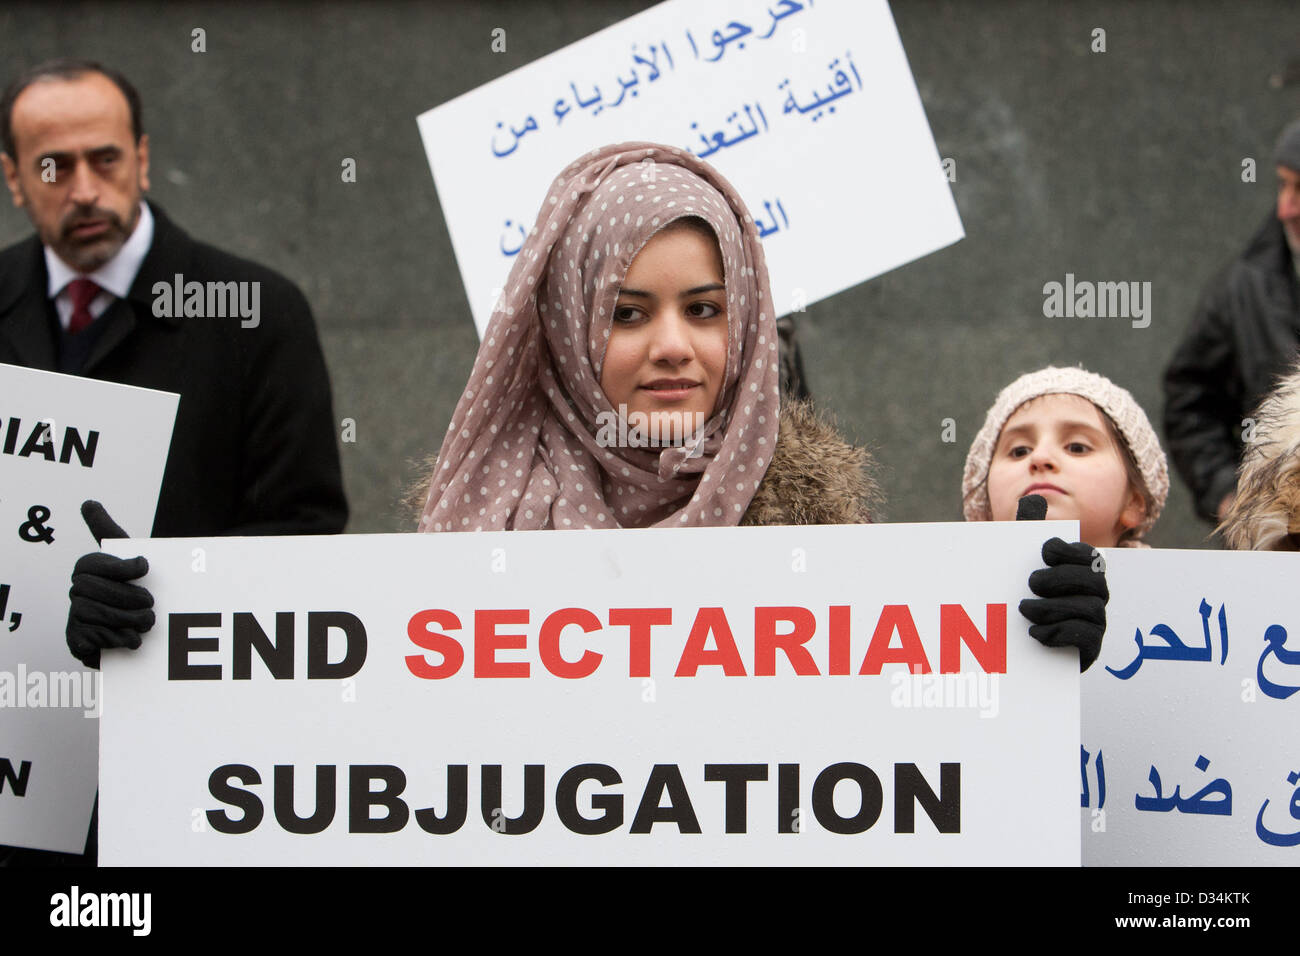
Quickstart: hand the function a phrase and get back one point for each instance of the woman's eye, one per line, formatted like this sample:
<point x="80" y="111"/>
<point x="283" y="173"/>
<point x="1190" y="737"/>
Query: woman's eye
<point x="623" y="314"/>
<point x="704" y="310"/>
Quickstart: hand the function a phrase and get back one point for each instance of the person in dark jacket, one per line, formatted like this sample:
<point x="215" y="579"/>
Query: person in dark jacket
<point x="110" y="288"/>
<point x="1244" y="335"/>
<point x="253" y="450"/>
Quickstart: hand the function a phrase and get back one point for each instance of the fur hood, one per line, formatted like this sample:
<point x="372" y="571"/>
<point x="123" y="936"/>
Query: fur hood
<point x="815" y="476"/>
<point x="1267" y="506"/>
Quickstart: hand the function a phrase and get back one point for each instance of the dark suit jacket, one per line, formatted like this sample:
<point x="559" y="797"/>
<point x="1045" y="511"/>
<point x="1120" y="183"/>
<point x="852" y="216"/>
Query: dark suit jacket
<point x="253" y="451"/>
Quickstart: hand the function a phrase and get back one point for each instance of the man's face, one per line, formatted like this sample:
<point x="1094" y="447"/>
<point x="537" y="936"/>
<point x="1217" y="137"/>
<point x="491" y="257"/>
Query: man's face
<point x="1288" y="205"/>
<point x="78" y="173"/>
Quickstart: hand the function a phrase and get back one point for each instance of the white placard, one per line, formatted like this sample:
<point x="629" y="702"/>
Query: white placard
<point x="1190" y="744"/>
<point x="809" y="110"/>
<point x="632" y="727"/>
<point x="63" y="439"/>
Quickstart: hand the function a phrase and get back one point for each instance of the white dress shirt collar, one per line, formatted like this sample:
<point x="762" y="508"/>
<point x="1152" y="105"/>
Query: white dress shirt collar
<point x="115" y="275"/>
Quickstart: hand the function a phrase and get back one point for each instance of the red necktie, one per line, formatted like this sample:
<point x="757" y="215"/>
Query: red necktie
<point x="83" y="292"/>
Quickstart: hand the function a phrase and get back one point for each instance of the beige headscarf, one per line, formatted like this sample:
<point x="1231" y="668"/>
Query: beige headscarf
<point x="522" y="449"/>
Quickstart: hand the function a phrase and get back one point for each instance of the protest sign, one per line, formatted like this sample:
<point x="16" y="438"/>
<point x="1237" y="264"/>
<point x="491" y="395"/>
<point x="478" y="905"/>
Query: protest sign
<point x="1189" y="752"/>
<point x="857" y="695"/>
<point x="810" y="111"/>
<point x="63" y="439"/>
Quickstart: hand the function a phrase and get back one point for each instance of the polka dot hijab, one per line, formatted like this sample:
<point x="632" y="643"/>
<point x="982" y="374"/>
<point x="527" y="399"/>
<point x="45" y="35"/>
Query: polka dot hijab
<point x="522" y="451"/>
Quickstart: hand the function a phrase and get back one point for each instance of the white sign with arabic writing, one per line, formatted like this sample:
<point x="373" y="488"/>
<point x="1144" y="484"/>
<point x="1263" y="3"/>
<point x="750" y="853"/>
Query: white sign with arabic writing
<point x="63" y="439"/>
<point x="809" y="110"/>
<point x="1190" y="753"/>
<point x="852" y="695"/>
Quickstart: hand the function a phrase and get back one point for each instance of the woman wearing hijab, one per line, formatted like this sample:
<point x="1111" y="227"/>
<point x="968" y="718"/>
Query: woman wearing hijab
<point x="640" y="297"/>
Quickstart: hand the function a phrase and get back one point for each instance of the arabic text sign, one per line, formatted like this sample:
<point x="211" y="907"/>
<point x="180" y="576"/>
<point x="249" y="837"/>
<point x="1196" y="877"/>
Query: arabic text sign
<point x="810" y="111"/>
<point x="1190" y="754"/>
<point x="656" y="696"/>
<point x="63" y="439"/>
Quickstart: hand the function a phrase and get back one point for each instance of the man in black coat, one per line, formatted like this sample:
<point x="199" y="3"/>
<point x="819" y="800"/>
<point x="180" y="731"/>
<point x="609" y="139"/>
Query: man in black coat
<point x="111" y="289"/>
<point x="253" y="450"/>
<point x="1243" y="337"/>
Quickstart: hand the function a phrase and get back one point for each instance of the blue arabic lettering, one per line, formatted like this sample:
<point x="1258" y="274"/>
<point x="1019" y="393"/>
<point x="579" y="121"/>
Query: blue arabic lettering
<point x="1198" y="802"/>
<point x="522" y="236"/>
<point x="1175" y="649"/>
<point x="653" y="62"/>
<point x="1101" y="779"/>
<point x="720" y="40"/>
<point x="763" y="229"/>
<point x="1274" y="639"/>
<point x="529" y="126"/>
<point x="789" y="7"/>
<point x="596" y="98"/>
<point x="1281" y="839"/>
<point x="840" y="86"/>
<point x="719" y="139"/>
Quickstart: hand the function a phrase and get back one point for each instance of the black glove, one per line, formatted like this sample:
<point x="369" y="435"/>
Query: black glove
<point x="1070" y="610"/>
<point x="106" y="611"/>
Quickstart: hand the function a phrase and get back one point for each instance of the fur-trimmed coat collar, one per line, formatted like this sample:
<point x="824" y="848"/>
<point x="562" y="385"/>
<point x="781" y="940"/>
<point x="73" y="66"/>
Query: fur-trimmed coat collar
<point x="1267" y="507"/>
<point x="815" y="476"/>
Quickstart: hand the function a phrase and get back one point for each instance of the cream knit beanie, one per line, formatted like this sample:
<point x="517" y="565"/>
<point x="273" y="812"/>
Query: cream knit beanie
<point x="1129" y="419"/>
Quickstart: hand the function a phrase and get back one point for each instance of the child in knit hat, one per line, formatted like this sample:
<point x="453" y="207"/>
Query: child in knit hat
<point x="1079" y="441"/>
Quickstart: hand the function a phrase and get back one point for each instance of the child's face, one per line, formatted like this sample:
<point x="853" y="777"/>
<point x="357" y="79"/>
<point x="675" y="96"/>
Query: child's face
<point x="667" y="351"/>
<point x="1059" y="447"/>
